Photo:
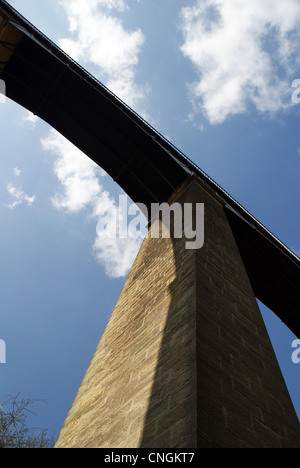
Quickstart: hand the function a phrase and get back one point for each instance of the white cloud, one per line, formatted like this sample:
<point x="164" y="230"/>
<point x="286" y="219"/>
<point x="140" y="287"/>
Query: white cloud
<point x="244" y="52"/>
<point x="80" y="179"/>
<point x="19" y="196"/>
<point x="16" y="171"/>
<point x="76" y="173"/>
<point x="101" y="39"/>
<point x="98" y="38"/>
<point x="115" y="253"/>
<point x="30" y="118"/>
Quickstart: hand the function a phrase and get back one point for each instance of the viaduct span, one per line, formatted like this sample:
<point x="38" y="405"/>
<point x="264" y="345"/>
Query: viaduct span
<point x="185" y="360"/>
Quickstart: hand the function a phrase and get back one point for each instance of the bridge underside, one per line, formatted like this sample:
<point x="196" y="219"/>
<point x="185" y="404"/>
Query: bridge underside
<point x="43" y="79"/>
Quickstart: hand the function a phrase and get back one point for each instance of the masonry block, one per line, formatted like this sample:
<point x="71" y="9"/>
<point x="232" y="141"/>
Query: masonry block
<point x="185" y="360"/>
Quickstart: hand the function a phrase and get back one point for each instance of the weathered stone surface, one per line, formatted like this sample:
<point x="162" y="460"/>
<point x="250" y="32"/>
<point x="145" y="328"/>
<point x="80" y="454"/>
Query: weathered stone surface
<point x="185" y="360"/>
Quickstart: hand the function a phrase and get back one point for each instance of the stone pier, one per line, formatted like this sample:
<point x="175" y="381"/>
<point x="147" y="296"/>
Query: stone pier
<point x="185" y="360"/>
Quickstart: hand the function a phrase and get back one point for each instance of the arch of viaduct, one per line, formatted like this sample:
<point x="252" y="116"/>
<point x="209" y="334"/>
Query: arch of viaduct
<point x="43" y="79"/>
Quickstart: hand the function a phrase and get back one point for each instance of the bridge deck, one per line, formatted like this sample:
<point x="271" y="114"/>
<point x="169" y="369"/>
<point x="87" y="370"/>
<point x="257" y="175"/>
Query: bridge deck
<point x="43" y="79"/>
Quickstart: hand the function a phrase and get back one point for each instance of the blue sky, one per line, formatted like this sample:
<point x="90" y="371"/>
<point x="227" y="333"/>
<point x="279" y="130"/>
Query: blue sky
<point x="215" y="77"/>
